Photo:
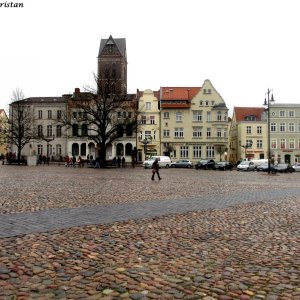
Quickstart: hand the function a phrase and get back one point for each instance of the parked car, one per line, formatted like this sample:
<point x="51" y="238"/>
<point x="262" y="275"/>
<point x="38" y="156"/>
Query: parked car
<point x="246" y="165"/>
<point x="205" y="164"/>
<point x="182" y="163"/>
<point x="296" y="167"/>
<point x="265" y="168"/>
<point x="163" y="162"/>
<point x="284" y="168"/>
<point x="223" y="165"/>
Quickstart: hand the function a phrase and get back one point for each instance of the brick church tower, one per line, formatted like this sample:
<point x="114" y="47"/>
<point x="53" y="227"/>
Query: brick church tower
<point x="112" y="66"/>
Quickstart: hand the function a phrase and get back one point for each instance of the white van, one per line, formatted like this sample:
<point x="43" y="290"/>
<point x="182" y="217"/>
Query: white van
<point x="163" y="162"/>
<point x="258" y="162"/>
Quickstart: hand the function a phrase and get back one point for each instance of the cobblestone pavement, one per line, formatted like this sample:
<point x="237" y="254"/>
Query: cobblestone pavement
<point x="193" y="235"/>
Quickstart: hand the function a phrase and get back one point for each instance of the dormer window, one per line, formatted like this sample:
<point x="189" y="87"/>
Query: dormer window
<point x="250" y="118"/>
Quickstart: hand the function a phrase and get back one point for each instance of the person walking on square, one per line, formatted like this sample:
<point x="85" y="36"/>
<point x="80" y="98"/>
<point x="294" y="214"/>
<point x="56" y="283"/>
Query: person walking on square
<point x="123" y="162"/>
<point x="155" y="169"/>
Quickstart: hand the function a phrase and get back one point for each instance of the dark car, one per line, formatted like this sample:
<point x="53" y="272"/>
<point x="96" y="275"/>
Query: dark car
<point x="223" y="165"/>
<point x="205" y="164"/>
<point x="284" y="168"/>
<point x="264" y="167"/>
<point x="182" y="163"/>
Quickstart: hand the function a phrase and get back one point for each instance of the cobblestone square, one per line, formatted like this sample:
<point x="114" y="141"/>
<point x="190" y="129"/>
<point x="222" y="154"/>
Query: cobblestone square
<point x="84" y="233"/>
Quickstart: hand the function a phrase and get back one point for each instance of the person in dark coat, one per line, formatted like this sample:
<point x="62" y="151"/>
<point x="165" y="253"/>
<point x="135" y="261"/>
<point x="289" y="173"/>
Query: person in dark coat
<point x="155" y="169"/>
<point x="119" y="162"/>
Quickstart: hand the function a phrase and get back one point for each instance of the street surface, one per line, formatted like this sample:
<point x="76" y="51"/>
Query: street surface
<point x="84" y="233"/>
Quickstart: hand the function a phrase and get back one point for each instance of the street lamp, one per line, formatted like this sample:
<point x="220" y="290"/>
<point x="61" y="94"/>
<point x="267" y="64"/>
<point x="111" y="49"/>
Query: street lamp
<point x="147" y="140"/>
<point x="246" y="146"/>
<point x="48" y="140"/>
<point x="267" y="103"/>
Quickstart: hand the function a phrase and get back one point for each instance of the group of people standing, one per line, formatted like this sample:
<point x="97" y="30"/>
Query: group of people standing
<point x="71" y="161"/>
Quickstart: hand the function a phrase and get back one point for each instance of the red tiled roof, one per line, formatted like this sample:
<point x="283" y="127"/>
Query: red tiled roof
<point x="242" y="112"/>
<point x="178" y="93"/>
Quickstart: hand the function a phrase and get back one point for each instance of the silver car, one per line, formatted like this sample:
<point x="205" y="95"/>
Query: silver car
<point x="246" y="165"/>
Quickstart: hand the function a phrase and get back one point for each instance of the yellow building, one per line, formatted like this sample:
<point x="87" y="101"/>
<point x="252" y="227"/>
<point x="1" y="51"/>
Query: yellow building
<point x="194" y="123"/>
<point x="248" y="134"/>
<point x="148" y="135"/>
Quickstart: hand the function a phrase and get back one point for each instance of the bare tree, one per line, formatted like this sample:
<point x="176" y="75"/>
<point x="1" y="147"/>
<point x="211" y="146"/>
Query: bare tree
<point x="105" y="115"/>
<point x="20" y="123"/>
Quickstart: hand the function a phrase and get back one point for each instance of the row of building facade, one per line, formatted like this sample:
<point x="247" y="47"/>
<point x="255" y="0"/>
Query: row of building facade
<point x="181" y="122"/>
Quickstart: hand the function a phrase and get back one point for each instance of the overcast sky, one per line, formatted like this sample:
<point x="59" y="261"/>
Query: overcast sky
<point x="244" y="47"/>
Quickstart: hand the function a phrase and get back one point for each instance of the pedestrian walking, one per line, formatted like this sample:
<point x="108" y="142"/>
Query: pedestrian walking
<point x="74" y="161"/>
<point x="123" y="162"/>
<point x="119" y="162"/>
<point x="155" y="169"/>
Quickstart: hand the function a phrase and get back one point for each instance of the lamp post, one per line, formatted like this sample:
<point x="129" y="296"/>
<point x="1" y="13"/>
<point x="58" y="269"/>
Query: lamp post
<point x="48" y="140"/>
<point x="147" y="140"/>
<point x="267" y="103"/>
<point x="246" y="146"/>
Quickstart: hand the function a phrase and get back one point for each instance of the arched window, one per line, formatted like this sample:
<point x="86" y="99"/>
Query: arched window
<point x="75" y="130"/>
<point x="120" y="149"/>
<point x="83" y="149"/>
<point x="75" y="149"/>
<point x="129" y="130"/>
<point x="128" y="149"/>
<point x="84" y="130"/>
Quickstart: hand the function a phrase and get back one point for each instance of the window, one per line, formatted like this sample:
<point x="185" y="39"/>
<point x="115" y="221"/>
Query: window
<point x="292" y="143"/>
<point x="178" y="117"/>
<point x="208" y="116"/>
<point x="197" y="132"/>
<point x="184" y="151"/>
<point x="49" y="150"/>
<point x="197" y="115"/>
<point x="49" y="114"/>
<point x="148" y="134"/>
<point x="259" y="130"/>
<point x="58" y="115"/>
<point x="274" y="144"/>
<point x="299" y="144"/>
<point x="282" y="113"/>
<point x="219" y="132"/>
<point x="178" y="132"/>
<point x="291" y="114"/>
<point x="40" y="114"/>
<point x="197" y="151"/>
<point x="58" y="130"/>
<point x="225" y="133"/>
<point x="282" y="144"/>
<point x="166" y="115"/>
<point x="40" y="149"/>
<point x="148" y="105"/>
<point x="273" y="127"/>
<point x="259" y="144"/>
<point x="49" y="130"/>
<point x="84" y="129"/>
<point x="249" y="143"/>
<point x="119" y="115"/>
<point x="282" y="127"/>
<point x="144" y="119"/>
<point x="129" y="114"/>
<point x="248" y="129"/>
<point x="206" y="103"/>
<point x="40" y="130"/>
<point x="166" y="133"/>
<point x="124" y="114"/>
<point x="201" y="103"/>
<point x="208" y="132"/>
<point x="75" y="130"/>
<point x="291" y="127"/>
<point x="74" y="114"/>
<point x="210" y="151"/>
<point x="219" y="116"/>
<point x="58" y="149"/>
<point x="152" y="119"/>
